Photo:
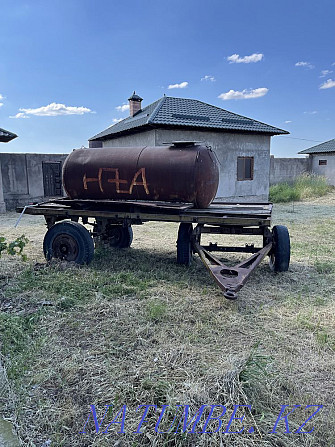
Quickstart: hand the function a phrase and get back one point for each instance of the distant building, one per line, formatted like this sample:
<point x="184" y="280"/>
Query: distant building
<point x="6" y="136"/>
<point x="322" y="159"/>
<point x="241" y="144"/>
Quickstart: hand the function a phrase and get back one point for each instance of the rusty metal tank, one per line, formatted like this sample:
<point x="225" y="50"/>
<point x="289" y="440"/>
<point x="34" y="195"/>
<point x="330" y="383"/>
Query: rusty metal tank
<point x="180" y="172"/>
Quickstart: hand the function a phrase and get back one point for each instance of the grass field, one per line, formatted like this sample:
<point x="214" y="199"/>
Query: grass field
<point x="135" y="328"/>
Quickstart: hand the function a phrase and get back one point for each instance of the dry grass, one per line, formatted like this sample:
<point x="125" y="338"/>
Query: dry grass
<point x="134" y="328"/>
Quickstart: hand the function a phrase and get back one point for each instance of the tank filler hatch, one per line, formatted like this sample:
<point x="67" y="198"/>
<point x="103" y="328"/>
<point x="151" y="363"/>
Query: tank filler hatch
<point x="183" y="143"/>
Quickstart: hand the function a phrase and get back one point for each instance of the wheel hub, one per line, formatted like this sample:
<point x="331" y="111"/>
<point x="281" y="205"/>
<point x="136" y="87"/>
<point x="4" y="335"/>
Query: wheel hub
<point x="65" y="247"/>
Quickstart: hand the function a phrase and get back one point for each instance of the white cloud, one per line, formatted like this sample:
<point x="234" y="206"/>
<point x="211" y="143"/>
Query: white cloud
<point x="288" y="121"/>
<point x="1" y="97"/>
<point x="116" y="120"/>
<point x="304" y="64"/>
<point x="20" y="115"/>
<point x="208" y="78"/>
<point x="181" y="85"/>
<point x="236" y="59"/>
<point x="52" y="109"/>
<point x="314" y="112"/>
<point x="1" y="104"/>
<point x="325" y="73"/>
<point x="244" y="94"/>
<point x="328" y="84"/>
<point x="122" y="108"/>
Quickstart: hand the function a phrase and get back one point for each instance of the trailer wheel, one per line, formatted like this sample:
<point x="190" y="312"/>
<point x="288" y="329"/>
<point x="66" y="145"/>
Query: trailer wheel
<point x="280" y="253"/>
<point x="119" y="236"/>
<point x="69" y="241"/>
<point x="184" y="248"/>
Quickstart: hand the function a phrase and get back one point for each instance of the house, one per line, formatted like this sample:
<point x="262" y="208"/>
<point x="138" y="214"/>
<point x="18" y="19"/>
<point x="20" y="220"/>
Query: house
<point x="322" y="159"/>
<point x="241" y="144"/>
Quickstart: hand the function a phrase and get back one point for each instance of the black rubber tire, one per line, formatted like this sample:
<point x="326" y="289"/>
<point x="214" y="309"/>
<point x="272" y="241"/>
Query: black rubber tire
<point x="120" y="236"/>
<point x="184" y="246"/>
<point x="70" y="241"/>
<point x="281" y="250"/>
<point x="127" y="238"/>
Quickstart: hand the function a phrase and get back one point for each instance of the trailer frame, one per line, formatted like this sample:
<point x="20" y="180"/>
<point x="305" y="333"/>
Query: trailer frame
<point x="113" y="220"/>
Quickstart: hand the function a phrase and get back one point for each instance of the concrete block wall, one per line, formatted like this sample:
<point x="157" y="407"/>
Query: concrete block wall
<point x="21" y="178"/>
<point x="287" y="169"/>
<point x="146" y="138"/>
<point x="2" y="200"/>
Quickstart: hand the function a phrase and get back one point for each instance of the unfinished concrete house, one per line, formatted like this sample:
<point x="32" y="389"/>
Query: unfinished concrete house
<point x="322" y="160"/>
<point x="241" y="144"/>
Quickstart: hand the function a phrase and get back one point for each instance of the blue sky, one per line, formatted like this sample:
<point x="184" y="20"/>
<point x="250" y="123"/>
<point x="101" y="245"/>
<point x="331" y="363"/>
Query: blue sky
<point x="67" y="66"/>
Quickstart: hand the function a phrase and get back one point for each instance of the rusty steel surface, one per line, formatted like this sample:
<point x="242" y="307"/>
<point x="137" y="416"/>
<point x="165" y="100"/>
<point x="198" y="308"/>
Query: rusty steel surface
<point x="162" y="173"/>
<point x="231" y="279"/>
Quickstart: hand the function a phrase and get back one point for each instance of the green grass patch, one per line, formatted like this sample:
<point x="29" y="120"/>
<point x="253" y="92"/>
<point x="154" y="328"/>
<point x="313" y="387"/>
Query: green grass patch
<point x="304" y="187"/>
<point x="255" y="367"/>
<point x="324" y="266"/>
<point x="156" y="310"/>
<point x="16" y="342"/>
<point x="67" y="287"/>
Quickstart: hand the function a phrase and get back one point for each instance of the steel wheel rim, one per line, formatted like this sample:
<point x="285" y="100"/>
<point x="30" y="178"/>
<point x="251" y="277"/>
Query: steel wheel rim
<point x="65" y="247"/>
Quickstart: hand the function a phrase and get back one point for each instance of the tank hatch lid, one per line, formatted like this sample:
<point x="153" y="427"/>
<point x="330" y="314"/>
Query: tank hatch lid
<point x="183" y="143"/>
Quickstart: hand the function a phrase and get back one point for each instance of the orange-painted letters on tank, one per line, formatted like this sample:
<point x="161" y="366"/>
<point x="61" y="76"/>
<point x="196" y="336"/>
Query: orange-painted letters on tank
<point x="140" y="174"/>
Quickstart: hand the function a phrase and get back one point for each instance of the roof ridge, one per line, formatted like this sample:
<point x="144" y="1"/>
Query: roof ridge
<point x="154" y="113"/>
<point x="127" y="118"/>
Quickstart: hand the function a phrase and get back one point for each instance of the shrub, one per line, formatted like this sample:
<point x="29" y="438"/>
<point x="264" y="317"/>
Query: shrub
<point x="305" y="186"/>
<point x="283" y="192"/>
<point x="15" y="247"/>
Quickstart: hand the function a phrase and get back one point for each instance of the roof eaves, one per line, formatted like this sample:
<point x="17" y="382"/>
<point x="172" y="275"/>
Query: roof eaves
<point x="122" y="132"/>
<point x="326" y="147"/>
<point x="6" y="136"/>
<point x="220" y="129"/>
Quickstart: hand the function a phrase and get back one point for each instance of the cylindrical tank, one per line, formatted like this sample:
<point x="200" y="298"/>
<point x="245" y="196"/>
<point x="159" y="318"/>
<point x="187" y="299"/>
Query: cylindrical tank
<point x="176" y="173"/>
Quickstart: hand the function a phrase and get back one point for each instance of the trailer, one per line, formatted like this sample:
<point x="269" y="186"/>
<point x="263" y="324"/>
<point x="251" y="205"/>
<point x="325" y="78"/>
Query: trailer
<point x="112" y="221"/>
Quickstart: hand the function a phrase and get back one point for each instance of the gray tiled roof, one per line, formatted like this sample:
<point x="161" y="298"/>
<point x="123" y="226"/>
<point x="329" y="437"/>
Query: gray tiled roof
<point x="328" y="146"/>
<point x="169" y="111"/>
<point x="6" y="136"/>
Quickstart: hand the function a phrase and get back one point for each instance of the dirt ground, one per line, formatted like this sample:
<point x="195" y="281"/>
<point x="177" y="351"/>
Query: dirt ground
<point x="134" y="328"/>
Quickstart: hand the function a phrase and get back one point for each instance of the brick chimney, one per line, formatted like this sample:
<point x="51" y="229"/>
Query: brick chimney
<point x="134" y="104"/>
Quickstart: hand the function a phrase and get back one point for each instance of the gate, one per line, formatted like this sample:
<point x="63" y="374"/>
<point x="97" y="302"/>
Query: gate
<point x="52" y="178"/>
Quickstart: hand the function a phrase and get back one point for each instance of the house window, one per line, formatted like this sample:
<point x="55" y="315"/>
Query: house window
<point x="322" y="162"/>
<point x="245" y="168"/>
